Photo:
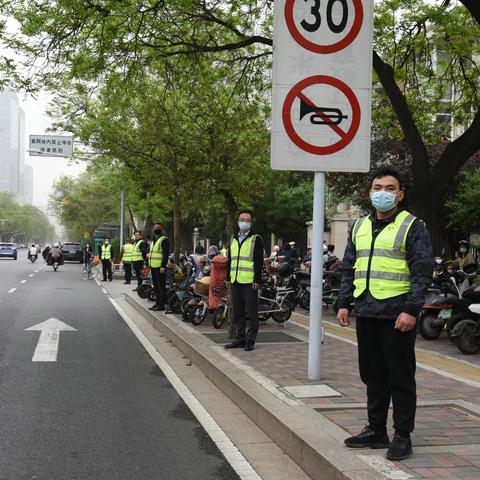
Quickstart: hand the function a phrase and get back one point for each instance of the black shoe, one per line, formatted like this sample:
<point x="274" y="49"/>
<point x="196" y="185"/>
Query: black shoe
<point x="126" y="283"/>
<point x="134" y="290"/>
<point x="368" y="438"/>
<point x="110" y="280"/>
<point x="235" y="344"/>
<point x="248" y="347"/>
<point x="153" y="308"/>
<point x="401" y="447"/>
<point x="169" y="312"/>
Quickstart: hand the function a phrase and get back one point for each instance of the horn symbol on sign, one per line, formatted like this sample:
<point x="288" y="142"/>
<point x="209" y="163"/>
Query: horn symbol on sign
<point x="323" y="115"/>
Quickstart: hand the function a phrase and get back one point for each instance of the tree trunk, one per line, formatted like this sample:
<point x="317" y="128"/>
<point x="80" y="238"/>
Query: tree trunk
<point x="132" y="218"/>
<point x="231" y="213"/>
<point x="177" y="238"/>
<point x="148" y="225"/>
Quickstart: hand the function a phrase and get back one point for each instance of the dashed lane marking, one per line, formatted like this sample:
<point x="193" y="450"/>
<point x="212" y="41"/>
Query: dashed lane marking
<point x="11" y="290"/>
<point x="238" y="462"/>
<point x="23" y="281"/>
<point x="104" y="291"/>
<point x="31" y="275"/>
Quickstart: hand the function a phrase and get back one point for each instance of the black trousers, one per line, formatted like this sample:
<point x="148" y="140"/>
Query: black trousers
<point x="138" y="266"/>
<point x="128" y="272"/>
<point x="386" y="357"/>
<point x="245" y="297"/>
<point x="107" y="269"/>
<point x="158" y="280"/>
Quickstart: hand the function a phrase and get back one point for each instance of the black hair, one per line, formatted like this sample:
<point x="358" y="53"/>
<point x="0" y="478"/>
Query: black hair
<point x="138" y="231"/>
<point x="330" y="248"/>
<point x="245" y="210"/>
<point x="158" y="223"/>
<point x="387" y="172"/>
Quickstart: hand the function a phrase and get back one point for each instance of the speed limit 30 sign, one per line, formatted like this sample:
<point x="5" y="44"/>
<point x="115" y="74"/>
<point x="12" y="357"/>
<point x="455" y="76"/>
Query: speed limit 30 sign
<point x="322" y="76"/>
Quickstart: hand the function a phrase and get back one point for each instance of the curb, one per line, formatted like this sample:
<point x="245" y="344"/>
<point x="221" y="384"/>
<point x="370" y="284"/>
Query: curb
<point x="310" y="439"/>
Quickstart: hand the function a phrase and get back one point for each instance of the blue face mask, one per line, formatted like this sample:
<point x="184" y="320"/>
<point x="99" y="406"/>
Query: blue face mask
<point x="244" y="226"/>
<point x="383" y="201"/>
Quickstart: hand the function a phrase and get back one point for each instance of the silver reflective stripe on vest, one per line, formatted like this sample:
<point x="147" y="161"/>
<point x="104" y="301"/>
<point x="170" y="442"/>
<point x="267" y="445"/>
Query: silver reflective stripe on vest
<point x="381" y="252"/>
<point x="398" y="277"/>
<point x="401" y="232"/>
<point x="244" y="269"/>
<point x="356" y="228"/>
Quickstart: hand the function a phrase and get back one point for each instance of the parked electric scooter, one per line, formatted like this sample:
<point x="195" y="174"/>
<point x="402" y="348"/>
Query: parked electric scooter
<point x="445" y="305"/>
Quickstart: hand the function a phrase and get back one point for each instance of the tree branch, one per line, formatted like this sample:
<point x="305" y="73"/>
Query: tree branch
<point x="420" y="164"/>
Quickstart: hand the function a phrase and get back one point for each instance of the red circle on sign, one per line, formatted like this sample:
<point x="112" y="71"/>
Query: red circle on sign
<point x="315" y="47"/>
<point x="296" y="91"/>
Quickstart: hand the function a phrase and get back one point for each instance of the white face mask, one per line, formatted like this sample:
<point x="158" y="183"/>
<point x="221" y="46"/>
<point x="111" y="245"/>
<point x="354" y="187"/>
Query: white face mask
<point x="244" y="226"/>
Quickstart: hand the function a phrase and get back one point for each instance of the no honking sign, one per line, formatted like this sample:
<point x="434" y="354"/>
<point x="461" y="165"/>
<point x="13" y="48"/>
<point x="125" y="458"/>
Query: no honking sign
<point x="322" y="75"/>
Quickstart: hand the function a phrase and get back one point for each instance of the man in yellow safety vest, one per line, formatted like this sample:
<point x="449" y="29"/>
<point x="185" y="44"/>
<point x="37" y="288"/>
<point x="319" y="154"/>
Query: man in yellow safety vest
<point x="387" y="268"/>
<point x="106" y="257"/>
<point x="158" y="259"/>
<point x="127" y="255"/>
<point x="245" y="262"/>
<point x="139" y="256"/>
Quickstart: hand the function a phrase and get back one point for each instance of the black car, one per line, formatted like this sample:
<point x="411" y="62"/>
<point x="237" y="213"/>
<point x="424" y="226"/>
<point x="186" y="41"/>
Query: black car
<point x="72" y="252"/>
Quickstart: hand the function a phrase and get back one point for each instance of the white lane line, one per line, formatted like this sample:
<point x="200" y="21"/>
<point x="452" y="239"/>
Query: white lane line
<point x="11" y="290"/>
<point x="23" y="281"/>
<point x="385" y="467"/>
<point x="36" y="271"/>
<point x="98" y="282"/>
<point x="104" y="291"/>
<point x="31" y="275"/>
<point x="224" y="444"/>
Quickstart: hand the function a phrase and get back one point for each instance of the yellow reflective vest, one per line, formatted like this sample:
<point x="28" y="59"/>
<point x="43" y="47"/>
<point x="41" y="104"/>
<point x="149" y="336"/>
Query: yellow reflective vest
<point x="241" y="260"/>
<point x="156" y="254"/>
<point x="106" y="252"/>
<point x="137" y="253"/>
<point x="381" y="263"/>
<point x="127" y="253"/>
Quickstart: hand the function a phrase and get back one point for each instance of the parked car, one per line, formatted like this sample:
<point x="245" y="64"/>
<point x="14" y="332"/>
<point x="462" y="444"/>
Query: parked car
<point x="8" y="250"/>
<point x="72" y="252"/>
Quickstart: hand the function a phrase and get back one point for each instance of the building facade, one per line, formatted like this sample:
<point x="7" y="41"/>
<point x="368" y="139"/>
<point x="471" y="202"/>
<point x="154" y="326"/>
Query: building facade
<point x="12" y="146"/>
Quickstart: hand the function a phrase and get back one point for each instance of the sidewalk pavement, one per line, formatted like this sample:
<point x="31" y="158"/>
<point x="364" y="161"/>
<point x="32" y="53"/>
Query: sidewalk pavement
<point x="310" y="420"/>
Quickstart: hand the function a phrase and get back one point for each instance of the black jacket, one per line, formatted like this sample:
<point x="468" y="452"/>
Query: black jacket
<point x="257" y="257"/>
<point x="420" y="262"/>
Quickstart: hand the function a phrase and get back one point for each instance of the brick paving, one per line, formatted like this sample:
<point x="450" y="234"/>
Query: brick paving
<point x="447" y="436"/>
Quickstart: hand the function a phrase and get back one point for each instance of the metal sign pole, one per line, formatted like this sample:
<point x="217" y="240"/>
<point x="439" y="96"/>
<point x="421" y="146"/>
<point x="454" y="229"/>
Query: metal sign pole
<point x="315" y="335"/>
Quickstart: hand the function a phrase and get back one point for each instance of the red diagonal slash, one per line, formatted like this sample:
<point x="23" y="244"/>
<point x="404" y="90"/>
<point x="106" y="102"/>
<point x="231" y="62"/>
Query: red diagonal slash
<point x="334" y="127"/>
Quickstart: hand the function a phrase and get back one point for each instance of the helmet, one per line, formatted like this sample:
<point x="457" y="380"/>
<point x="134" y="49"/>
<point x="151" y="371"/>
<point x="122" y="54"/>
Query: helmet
<point x="33" y="244"/>
<point x="56" y="245"/>
<point x="463" y="243"/>
<point x="276" y="248"/>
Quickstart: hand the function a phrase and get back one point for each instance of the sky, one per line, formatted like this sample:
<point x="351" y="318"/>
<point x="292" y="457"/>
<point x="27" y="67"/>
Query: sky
<point x="45" y="169"/>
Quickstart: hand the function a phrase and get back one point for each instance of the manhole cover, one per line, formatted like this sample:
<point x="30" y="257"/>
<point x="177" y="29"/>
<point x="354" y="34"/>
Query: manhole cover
<point x="434" y="425"/>
<point x="262" y="337"/>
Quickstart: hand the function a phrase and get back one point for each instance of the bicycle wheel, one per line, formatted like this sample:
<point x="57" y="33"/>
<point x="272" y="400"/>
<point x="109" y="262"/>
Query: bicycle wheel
<point x="219" y="316"/>
<point x="93" y="272"/>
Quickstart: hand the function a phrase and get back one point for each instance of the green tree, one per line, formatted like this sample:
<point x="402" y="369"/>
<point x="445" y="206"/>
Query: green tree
<point x="463" y="208"/>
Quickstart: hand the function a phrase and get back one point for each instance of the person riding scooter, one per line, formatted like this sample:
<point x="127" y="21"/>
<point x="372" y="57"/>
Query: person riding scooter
<point x="463" y="259"/>
<point x="55" y="253"/>
<point x="32" y="252"/>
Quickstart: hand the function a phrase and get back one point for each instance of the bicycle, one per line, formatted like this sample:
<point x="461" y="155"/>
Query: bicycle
<point x="89" y="271"/>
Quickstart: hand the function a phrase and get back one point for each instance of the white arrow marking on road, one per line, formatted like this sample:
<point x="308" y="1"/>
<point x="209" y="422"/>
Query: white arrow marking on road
<point x="47" y="347"/>
<point x="11" y="290"/>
